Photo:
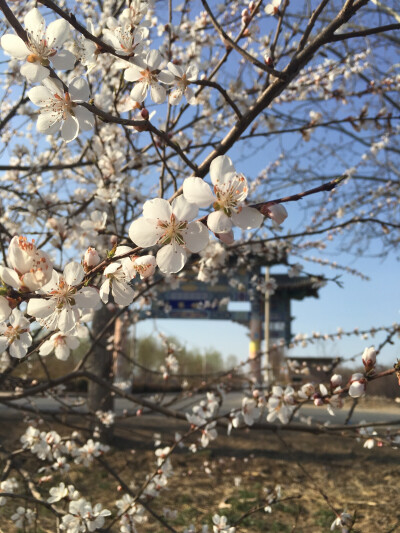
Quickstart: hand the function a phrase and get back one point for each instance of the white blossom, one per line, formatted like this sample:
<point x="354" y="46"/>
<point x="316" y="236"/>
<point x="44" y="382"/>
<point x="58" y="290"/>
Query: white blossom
<point x="16" y="336"/>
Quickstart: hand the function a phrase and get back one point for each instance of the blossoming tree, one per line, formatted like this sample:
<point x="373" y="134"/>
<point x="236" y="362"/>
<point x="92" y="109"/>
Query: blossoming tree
<point x="115" y="118"/>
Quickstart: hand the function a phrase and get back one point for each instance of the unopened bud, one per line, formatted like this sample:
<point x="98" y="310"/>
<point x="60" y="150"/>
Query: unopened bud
<point x="91" y="259"/>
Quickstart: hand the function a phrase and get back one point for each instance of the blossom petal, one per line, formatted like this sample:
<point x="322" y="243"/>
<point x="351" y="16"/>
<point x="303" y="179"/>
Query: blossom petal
<point x="139" y="92"/>
<point x="122" y="293"/>
<point x="133" y="73"/>
<point x="62" y="352"/>
<point x="40" y="95"/>
<point x="85" y="118"/>
<point x="221" y="166"/>
<point x="157" y="208"/>
<point x="196" y="237"/>
<point x="79" y="89"/>
<point x="34" y="72"/>
<point x="143" y="232"/>
<point x="10" y="277"/>
<point x="87" y="298"/>
<point x="63" y="60"/>
<point x="171" y="258"/>
<point x="197" y="191"/>
<point x="153" y="59"/>
<point x="57" y="33"/>
<point x="105" y="291"/>
<point x="219" y="222"/>
<point x="14" y="46"/>
<point x="158" y="93"/>
<point x="70" y="128"/>
<point x="5" y="309"/>
<point x="73" y="273"/>
<point x="40" y="308"/>
<point x="34" y="23"/>
<point x="47" y="347"/>
<point x="48" y="122"/>
<point x="184" y="210"/>
<point x="67" y="319"/>
<point x="248" y="218"/>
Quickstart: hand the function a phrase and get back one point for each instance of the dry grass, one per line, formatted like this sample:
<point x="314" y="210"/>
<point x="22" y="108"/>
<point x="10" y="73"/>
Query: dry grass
<point x="230" y="476"/>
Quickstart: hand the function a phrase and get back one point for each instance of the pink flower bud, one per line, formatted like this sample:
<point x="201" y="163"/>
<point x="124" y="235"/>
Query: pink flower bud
<point x="336" y="380"/>
<point x="318" y="402"/>
<point x="357" y="385"/>
<point x="91" y="258"/>
<point x="277" y="212"/>
<point x="369" y="357"/>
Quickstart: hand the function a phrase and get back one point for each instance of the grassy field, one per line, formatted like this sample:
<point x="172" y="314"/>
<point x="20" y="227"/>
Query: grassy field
<point x="231" y="477"/>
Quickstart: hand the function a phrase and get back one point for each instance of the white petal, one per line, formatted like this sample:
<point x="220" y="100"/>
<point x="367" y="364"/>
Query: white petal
<point x="175" y="69"/>
<point x="62" y="352"/>
<point x="72" y="342"/>
<point x="87" y="298"/>
<point x="34" y="22"/>
<point x="166" y="77"/>
<point x="139" y="92"/>
<point x="57" y="33"/>
<point x="248" y="218"/>
<point x="133" y="73"/>
<point x="122" y="293"/>
<point x="144" y="232"/>
<point x="10" y="277"/>
<point x="198" y="192"/>
<point x="219" y="222"/>
<point x="105" y="291"/>
<point x="171" y="258"/>
<point x="47" y="347"/>
<point x="5" y="309"/>
<point x="158" y="93"/>
<point x="153" y="59"/>
<point x="17" y="350"/>
<point x="184" y="210"/>
<point x="157" y="208"/>
<point x="192" y="73"/>
<point x="85" y="118"/>
<point x="73" y="273"/>
<point x="219" y="167"/>
<point x="79" y="89"/>
<point x="196" y="237"/>
<point x="48" y="122"/>
<point x="34" y="72"/>
<point x="40" y="308"/>
<point x="67" y="319"/>
<point x="175" y="96"/>
<point x="70" y="128"/>
<point x="63" y="60"/>
<point x="14" y="46"/>
<point x="40" y="95"/>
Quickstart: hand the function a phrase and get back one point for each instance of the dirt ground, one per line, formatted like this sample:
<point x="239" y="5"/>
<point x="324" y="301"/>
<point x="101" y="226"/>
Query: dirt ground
<point x="230" y="477"/>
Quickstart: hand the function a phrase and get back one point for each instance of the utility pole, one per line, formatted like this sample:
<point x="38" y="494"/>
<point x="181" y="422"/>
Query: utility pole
<point x="268" y="374"/>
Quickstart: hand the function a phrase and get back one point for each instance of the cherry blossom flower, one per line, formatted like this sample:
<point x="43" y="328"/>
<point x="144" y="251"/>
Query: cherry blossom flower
<point x="61" y="344"/>
<point x="124" y="40"/>
<point x="182" y="80"/>
<point x="231" y="190"/>
<point x="357" y="385"/>
<point x="344" y="521"/>
<point x="60" y="110"/>
<point x="83" y="517"/>
<point x="147" y="75"/>
<point x="16" y="336"/>
<point x="31" y="268"/>
<point x="58" y="493"/>
<point x="220" y="524"/>
<point x="8" y="485"/>
<point x="169" y="226"/>
<point x="23" y="518"/>
<point x="61" y="307"/>
<point x="280" y="404"/>
<point x="273" y="7"/>
<point x="41" y="48"/>
<point x="117" y="279"/>
<point x="250" y="410"/>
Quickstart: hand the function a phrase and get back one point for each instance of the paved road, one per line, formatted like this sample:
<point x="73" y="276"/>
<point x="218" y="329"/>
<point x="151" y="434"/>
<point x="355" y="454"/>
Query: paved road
<point x="231" y="401"/>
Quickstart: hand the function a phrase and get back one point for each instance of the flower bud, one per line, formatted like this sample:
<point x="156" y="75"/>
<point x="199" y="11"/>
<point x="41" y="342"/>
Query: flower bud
<point x="336" y="380"/>
<point x="91" y="259"/>
<point x="357" y="385"/>
<point x="318" y="402"/>
<point x="277" y="213"/>
<point x="369" y="358"/>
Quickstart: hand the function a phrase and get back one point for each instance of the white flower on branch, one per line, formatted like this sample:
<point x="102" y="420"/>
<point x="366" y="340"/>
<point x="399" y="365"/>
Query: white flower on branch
<point x="42" y="46"/>
<point x="220" y="524"/>
<point x="182" y="81"/>
<point x="16" y="336"/>
<point x="8" y="485"/>
<point x="31" y="268"/>
<point x="169" y="226"/>
<point x="60" y="344"/>
<point x="5" y="309"/>
<point x="60" y="110"/>
<point x="23" y="518"/>
<point x="357" y="385"/>
<point x="60" y="308"/>
<point x="369" y="358"/>
<point x="280" y="404"/>
<point x="125" y="40"/>
<point x="277" y="212"/>
<point x="230" y="190"/>
<point x="147" y="75"/>
<point x="83" y="517"/>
